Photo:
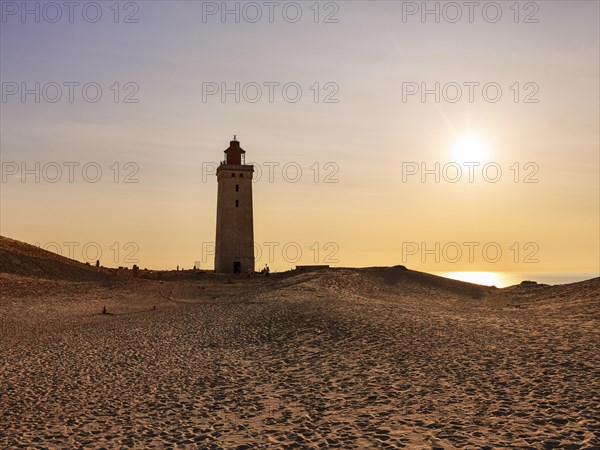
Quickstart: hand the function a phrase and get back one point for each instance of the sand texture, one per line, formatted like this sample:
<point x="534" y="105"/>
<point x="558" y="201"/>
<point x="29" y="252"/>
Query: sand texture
<point x="340" y="358"/>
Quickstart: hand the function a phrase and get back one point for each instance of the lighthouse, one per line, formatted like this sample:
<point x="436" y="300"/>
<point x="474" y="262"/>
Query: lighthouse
<point x="234" y="245"/>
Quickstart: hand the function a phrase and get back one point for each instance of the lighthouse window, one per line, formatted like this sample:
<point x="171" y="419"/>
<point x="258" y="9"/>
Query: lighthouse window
<point x="233" y="174"/>
<point x="241" y="175"/>
<point x="237" y="188"/>
<point x="237" y="203"/>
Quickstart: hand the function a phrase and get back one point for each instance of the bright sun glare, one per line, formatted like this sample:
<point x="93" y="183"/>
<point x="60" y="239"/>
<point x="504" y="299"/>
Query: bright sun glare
<point x="470" y="149"/>
<point x="485" y="278"/>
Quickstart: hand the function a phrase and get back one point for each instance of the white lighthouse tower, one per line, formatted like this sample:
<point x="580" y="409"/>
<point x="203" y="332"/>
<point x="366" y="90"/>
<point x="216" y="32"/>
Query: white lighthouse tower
<point x="234" y="245"/>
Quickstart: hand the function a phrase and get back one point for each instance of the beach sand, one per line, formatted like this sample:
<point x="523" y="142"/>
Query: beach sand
<point x="338" y="358"/>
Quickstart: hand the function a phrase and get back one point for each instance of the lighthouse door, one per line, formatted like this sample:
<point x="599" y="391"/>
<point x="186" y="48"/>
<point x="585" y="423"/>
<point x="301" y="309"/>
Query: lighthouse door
<point x="237" y="267"/>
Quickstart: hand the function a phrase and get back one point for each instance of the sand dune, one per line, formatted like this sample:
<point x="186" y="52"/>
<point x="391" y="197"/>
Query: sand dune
<point x="343" y="358"/>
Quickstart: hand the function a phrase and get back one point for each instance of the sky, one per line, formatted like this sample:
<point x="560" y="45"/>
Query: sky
<point x="437" y="135"/>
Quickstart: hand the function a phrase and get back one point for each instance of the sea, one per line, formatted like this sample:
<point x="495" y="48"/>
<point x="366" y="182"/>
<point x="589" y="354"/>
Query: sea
<point x="505" y="279"/>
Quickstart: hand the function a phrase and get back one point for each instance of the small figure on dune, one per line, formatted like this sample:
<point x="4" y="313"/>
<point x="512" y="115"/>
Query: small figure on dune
<point x="104" y="311"/>
<point x="97" y="263"/>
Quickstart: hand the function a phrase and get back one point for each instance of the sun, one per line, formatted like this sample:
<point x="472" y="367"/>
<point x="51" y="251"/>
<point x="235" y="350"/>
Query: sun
<point x="470" y="148"/>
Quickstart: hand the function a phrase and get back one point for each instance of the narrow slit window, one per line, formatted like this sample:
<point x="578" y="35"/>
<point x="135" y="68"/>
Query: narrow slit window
<point x="237" y="203"/>
<point x="237" y="188"/>
<point x="233" y="175"/>
<point x="241" y="175"/>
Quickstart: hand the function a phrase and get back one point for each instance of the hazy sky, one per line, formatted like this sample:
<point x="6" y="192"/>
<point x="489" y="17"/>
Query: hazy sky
<point x="361" y="132"/>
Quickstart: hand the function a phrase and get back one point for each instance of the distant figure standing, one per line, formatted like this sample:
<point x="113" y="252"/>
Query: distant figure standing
<point x="97" y="263"/>
<point x="267" y="270"/>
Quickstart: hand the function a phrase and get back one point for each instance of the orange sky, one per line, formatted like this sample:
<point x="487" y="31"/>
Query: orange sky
<point x="357" y="200"/>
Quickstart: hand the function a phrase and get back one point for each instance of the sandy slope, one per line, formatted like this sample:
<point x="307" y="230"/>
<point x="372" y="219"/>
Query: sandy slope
<point x="345" y="358"/>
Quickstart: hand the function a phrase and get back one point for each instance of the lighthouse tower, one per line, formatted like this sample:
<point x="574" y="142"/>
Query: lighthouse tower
<point x="234" y="245"/>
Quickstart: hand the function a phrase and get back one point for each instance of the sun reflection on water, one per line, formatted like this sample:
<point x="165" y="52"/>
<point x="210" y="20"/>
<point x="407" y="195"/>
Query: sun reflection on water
<point x="485" y="278"/>
<point x="504" y="279"/>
